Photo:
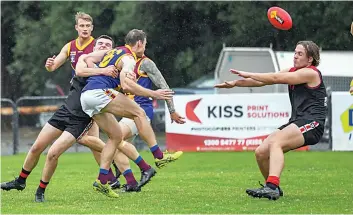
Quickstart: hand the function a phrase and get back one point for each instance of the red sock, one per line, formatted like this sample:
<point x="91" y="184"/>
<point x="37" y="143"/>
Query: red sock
<point x="273" y="180"/>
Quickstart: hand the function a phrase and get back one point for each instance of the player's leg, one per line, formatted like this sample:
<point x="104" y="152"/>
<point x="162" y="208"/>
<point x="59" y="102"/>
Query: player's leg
<point x="121" y="159"/>
<point x="262" y="154"/>
<point x="64" y="142"/>
<point x="96" y="145"/>
<point x="125" y="107"/>
<point x="75" y="128"/>
<point x="129" y="129"/>
<point x="93" y="131"/>
<point x="293" y="136"/>
<point x="108" y="123"/>
<point x="155" y="150"/>
<point x="51" y="130"/>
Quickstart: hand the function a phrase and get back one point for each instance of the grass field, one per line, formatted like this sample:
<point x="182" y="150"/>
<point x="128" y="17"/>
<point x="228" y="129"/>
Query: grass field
<point x="313" y="182"/>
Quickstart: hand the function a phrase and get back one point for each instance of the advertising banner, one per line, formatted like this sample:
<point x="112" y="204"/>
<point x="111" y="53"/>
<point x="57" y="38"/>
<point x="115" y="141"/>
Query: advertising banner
<point x="342" y="121"/>
<point x="226" y="122"/>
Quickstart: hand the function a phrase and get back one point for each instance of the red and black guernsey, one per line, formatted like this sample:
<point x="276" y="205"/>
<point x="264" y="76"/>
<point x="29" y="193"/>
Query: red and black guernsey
<point x="75" y="51"/>
<point x="309" y="103"/>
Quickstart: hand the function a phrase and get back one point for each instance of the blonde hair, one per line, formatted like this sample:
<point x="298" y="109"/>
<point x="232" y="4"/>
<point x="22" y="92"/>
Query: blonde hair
<point x="84" y="16"/>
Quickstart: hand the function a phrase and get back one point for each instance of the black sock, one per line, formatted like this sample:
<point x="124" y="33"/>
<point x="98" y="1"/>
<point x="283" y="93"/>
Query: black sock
<point x="272" y="186"/>
<point x="23" y="176"/>
<point x="42" y="186"/>
<point x="117" y="171"/>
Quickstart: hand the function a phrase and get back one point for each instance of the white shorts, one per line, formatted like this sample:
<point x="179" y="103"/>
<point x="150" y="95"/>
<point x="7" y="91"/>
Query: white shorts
<point x="93" y="101"/>
<point x="131" y="124"/>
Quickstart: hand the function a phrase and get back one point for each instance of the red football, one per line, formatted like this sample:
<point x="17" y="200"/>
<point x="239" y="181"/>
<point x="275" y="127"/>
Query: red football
<point x="279" y="18"/>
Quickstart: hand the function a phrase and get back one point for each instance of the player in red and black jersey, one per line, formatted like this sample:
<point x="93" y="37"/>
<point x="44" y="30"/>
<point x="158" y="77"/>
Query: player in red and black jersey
<point x="83" y="44"/>
<point x="308" y="98"/>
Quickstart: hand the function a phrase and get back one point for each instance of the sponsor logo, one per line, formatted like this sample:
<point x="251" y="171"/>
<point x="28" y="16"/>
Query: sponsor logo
<point x="347" y="122"/>
<point x="189" y="110"/>
<point x="72" y="57"/>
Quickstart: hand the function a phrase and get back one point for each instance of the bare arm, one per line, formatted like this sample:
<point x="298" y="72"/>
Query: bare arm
<point x="55" y="62"/>
<point x="95" y="57"/>
<point x="157" y="78"/>
<point x="251" y="82"/>
<point x="246" y="82"/>
<point x="301" y="76"/>
<point x="83" y="70"/>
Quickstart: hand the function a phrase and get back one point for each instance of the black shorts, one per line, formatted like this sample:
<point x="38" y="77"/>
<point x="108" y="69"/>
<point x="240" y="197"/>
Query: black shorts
<point x="311" y="130"/>
<point x="66" y="121"/>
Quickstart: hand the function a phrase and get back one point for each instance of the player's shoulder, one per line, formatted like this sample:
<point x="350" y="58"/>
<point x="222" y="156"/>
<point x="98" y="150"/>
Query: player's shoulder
<point x="120" y="50"/>
<point x="310" y="69"/>
<point x="146" y="59"/>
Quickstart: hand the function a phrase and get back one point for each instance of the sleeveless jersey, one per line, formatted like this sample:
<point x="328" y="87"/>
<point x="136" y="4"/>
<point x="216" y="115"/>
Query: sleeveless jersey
<point x="144" y="81"/>
<point x="309" y="103"/>
<point x="72" y="102"/>
<point x="75" y="51"/>
<point x="112" y="57"/>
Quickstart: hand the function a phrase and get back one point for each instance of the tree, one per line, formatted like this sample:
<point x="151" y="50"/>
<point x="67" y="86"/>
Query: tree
<point x="184" y="38"/>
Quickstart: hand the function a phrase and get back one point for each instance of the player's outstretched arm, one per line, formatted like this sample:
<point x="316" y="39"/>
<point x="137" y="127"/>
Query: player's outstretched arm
<point x="301" y="76"/>
<point x="247" y="82"/>
<point x="55" y="62"/>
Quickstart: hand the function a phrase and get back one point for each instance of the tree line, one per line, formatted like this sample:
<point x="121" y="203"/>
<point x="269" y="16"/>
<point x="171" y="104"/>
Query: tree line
<point x="184" y="38"/>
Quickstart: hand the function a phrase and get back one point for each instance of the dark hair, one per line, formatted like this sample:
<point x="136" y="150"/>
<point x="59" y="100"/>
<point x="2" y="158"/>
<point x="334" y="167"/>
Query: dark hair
<point x="105" y="37"/>
<point x="134" y="36"/>
<point x="312" y="50"/>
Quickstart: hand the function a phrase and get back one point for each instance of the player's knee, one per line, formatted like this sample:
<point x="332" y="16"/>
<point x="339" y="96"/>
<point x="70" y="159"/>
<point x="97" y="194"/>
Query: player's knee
<point x="121" y="145"/>
<point x="83" y="140"/>
<point x="117" y="138"/>
<point x="273" y="143"/>
<point x="140" y="113"/>
<point x="260" y="153"/>
<point x="37" y="148"/>
<point x="52" y="155"/>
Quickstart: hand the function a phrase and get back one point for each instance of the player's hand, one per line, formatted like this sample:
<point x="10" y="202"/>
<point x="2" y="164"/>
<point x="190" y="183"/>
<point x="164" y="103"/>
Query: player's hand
<point x="226" y="84"/>
<point x="351" y="90"/>
<point x="240" y="73"/>
<point x="163" y="94"/>
<point x="131" y="75"/>
<point x="49" y="63"/>
<point x="352" y="28"/>
<point x="177" y="118"/>
<point x="111" y="71"/>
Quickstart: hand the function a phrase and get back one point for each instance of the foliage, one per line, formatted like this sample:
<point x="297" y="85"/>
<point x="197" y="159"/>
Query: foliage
<point x="184" y="38"/>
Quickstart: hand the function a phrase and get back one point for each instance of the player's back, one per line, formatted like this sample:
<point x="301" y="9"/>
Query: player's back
<point x="112" y="57"/>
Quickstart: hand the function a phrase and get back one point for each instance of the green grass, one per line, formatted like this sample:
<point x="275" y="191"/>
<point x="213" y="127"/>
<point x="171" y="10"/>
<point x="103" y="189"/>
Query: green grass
<point x="209" y="183"/>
